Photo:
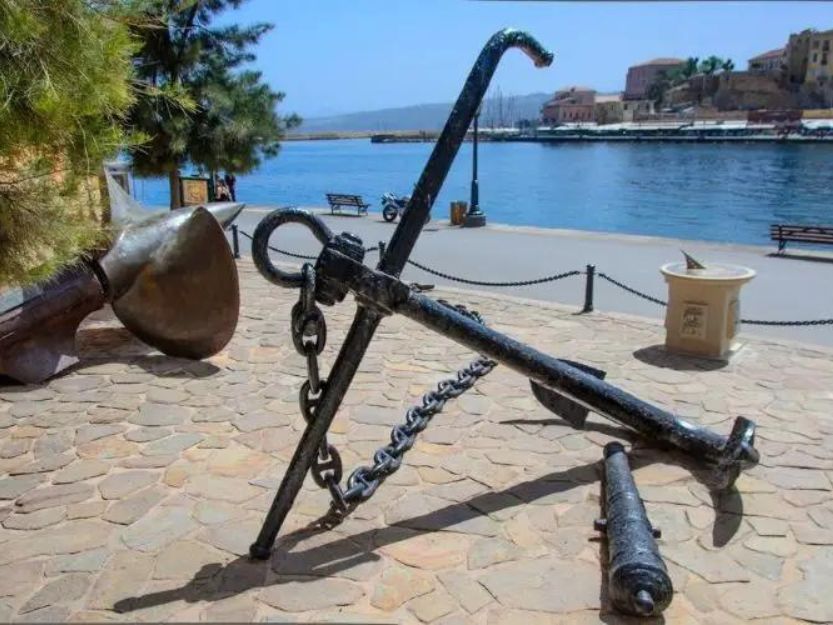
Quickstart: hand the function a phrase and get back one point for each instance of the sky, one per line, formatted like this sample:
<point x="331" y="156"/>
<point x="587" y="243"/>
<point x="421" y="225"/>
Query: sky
<point x="340" y="56"/>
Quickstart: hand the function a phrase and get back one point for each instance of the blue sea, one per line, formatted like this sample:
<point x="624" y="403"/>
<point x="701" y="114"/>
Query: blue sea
<point x="716" y="192"/>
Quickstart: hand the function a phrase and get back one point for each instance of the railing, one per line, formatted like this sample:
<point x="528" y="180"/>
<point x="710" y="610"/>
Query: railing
<point x="589" y="272"/>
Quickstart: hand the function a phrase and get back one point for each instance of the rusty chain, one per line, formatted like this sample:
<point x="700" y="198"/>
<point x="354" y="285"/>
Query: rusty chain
<point x="309" y="336"/>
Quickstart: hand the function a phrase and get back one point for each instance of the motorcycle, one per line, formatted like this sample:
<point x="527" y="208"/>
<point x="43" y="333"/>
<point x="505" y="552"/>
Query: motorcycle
<point x="393" y="205"/>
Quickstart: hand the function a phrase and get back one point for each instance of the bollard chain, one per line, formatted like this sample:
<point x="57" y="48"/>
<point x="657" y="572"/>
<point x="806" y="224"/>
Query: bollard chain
<point x="309" y="336"/>
<point x="363" y="481"/>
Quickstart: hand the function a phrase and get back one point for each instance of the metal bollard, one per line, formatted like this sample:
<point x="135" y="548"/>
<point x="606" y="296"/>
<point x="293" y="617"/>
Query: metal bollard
<point x="588" y="289"/>
<point x="235" y="241"/>
<point x="638" y="581"/>
<point x="381" y="250"/>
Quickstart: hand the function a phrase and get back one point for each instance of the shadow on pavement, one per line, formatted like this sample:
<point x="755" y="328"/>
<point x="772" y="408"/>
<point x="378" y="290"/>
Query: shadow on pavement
<point x="216" y="581"/>
<point x="658" y="356"/>
<point x="808" y="257"/>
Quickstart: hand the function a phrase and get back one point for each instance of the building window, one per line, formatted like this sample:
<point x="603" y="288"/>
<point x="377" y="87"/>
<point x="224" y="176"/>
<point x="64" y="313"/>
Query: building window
<point x="815" y="57"/>
<point x="824" y="59"/>
<point x="815" y="44"/>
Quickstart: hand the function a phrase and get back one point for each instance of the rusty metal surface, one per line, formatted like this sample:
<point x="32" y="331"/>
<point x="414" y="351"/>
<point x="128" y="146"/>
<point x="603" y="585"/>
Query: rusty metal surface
<point x="638" y="581"/>
<point x="37" y="336"/>
<point x="173" y="284"/>
<point x="171" y="280"/>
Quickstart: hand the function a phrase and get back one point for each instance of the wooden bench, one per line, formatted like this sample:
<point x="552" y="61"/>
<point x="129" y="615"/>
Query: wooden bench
<point x="800" y="234"/>
<point x="339" y="200"/>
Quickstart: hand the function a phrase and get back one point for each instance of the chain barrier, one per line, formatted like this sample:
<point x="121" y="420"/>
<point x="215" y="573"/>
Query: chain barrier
<point x="296" y="254"/>
<point x="440" y="274"/>
<point x="560" y="276"/>
<point x="810" y="322"/>
<point x="631" y="290"/>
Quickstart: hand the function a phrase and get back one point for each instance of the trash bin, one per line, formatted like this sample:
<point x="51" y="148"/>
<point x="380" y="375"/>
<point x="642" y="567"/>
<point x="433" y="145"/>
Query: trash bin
<point x="458" y="212"/>
<point x="703" y="313"/>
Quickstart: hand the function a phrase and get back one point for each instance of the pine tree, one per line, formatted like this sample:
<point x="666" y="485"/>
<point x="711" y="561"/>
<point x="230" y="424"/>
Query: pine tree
<point x="199" y="105"/>
<point x="65" y="68"/>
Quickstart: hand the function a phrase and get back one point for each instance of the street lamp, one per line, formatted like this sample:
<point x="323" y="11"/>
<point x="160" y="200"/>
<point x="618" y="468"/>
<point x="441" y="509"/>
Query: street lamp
<point x="475" y="218"/>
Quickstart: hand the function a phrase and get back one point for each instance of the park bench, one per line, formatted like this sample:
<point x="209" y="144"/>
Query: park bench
<point x="340" y="200"/>
<point x="800" y="234"/>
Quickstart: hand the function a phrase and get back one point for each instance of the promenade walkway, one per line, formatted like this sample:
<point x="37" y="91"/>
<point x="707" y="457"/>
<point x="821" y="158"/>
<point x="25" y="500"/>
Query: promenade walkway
<point x="790" y="288"/>
<point x="131" y="487"/>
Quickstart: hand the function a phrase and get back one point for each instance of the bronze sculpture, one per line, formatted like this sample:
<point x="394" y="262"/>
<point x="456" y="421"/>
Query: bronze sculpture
<point x="171" y="280"/>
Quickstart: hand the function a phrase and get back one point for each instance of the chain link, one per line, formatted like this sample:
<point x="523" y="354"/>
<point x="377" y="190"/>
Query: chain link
<point x="309" y="336"/>
<point x="365" y="480"/>
<point x="440" y="274"/>
<point x="296" y="254"/>
<point x="810" y="322"/>
<point x="625" y="287"/>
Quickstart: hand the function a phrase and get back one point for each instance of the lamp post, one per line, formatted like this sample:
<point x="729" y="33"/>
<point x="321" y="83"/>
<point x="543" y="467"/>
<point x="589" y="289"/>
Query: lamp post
<point x="475" y="218"/>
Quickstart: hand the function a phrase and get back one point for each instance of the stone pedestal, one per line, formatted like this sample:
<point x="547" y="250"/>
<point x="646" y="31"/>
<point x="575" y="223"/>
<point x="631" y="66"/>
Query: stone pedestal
<point x="703" y="314"/>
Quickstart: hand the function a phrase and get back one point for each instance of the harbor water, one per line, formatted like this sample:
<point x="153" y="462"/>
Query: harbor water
<point x="708" y="191"/>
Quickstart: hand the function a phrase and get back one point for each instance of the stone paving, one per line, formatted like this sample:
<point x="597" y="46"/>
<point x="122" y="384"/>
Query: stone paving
<point x="132" y="486"/>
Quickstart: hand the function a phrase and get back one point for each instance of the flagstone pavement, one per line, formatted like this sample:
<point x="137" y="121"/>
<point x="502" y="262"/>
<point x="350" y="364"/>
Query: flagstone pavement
<point x="132" y="486"/>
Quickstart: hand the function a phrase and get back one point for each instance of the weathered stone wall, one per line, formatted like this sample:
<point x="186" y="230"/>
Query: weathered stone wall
<point x="751" y="90"/>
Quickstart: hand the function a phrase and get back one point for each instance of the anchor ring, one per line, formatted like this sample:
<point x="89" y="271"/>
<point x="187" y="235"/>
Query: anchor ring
<point x="260" y="243"/>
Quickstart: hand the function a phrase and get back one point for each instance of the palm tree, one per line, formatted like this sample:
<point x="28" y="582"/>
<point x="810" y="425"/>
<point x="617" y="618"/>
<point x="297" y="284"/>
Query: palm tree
<point x="728" y="65"/>
<point x="710" y="65"/>
<point x="690" y="68"/>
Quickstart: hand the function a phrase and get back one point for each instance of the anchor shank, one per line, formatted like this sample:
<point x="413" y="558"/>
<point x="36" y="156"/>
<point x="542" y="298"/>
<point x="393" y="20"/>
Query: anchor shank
<point x="344" y="368"/>
<point x="436" y="169"/>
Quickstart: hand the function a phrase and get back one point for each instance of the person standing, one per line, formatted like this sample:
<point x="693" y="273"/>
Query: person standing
<point x="221" y="191"/>
<point x="231" y="183"/>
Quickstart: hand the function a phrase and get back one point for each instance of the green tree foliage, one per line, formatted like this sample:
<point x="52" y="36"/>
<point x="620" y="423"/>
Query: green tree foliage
<point x="200" y="106"/>
<point x="65" y="68"/>
<point x="666" y="80"/>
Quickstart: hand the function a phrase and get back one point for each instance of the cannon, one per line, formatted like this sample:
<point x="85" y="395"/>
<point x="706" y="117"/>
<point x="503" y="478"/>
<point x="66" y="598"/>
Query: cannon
<point x="171" y="280"/>
<point x="638" y="581"/>
<point x="562" y="386"/>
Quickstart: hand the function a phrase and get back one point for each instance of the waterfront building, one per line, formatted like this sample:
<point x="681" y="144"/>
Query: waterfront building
<point x="770" y="62"/>
<point x="641" y="77"/>
<point x="608" y="109"/>
<point x="636" y="110"/>
<point x="820" y="58"/>
<point x="797" y="55"/>
<point x="570" y="105"/>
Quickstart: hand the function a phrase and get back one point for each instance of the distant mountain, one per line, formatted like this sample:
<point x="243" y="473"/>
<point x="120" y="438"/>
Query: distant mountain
<point x="497" y="111"/>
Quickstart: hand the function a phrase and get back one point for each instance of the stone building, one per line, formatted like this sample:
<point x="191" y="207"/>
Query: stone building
<point x="796" y="56"/>
<point x="609" y="109"/>
<point x="770" y="62"/>
<point x="641" y="77"/>
<point x="819" y="59"/>
<point x="570" y="105"/>
<point x="637" y="110"/>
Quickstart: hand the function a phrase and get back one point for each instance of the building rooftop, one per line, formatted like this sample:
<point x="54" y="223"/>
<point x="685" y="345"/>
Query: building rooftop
<point x="768" y="55"/>
<point x="570" y="88"/>
<point x="608" y="97"/>
<point x="661" y="61"/>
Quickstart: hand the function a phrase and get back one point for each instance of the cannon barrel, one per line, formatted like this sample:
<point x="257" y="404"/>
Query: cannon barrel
<point x="638" y="582"/>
